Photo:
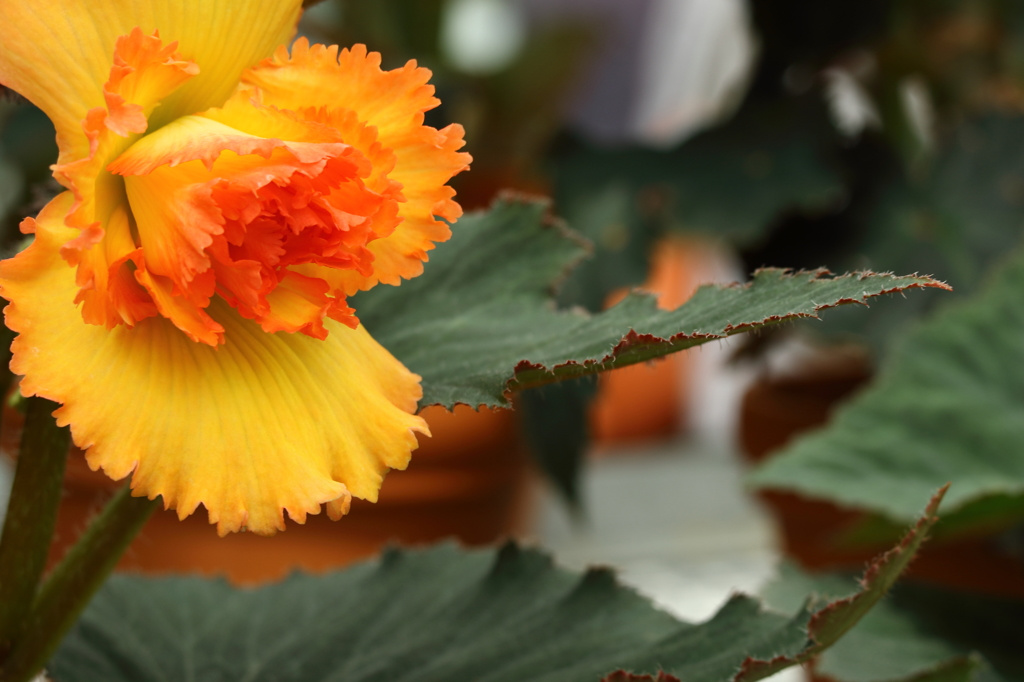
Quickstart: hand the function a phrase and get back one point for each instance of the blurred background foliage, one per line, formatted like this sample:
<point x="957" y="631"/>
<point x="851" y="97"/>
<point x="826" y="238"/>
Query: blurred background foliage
<point x="27" y="148"/>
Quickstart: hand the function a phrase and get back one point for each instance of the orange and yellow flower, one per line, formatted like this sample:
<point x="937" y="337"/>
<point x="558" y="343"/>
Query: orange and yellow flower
<point x="185" y="299"/>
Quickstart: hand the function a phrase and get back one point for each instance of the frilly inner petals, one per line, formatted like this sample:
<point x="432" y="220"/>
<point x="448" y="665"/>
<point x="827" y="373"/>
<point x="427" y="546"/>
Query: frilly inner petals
<point x="323" y="84"/>
<point x="235" y="209"/>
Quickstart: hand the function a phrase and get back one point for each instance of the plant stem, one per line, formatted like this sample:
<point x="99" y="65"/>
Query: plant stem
<point x="31" y="516"/>
<point x="74" y="581"/>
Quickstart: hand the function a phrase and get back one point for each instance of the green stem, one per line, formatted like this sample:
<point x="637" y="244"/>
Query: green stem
<point x="73" y="582"/>
<point x="31" y="516"/>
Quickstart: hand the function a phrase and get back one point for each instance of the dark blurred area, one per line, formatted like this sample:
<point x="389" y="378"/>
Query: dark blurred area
<point x="27" y="148"/>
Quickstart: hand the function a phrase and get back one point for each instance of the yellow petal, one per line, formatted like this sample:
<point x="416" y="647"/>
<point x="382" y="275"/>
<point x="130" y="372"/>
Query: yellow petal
<point x="263" y="424"/>
<point x="393" y="102"/>
<point x="58" y="53"/>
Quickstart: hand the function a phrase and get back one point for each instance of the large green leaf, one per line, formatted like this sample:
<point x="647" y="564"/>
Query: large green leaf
<point x="947" y="406"/>
<point x="918" y="633"/>
<point x="480" y="321"/>
<point x="443" y="614"/>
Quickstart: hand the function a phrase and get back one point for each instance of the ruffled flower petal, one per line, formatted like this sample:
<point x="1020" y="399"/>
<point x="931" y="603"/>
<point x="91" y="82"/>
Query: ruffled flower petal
<point x="322" y="84"/>
<point x="233" y="210"/>
<point x="59" y="53"/>
<point x="263" y="424"/>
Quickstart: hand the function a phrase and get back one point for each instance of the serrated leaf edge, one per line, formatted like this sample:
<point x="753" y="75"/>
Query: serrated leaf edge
<point x="528" y="374"/>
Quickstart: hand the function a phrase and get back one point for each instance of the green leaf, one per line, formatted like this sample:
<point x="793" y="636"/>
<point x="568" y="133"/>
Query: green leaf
<point x="917" y="633"/>
<point x="443" y="614"/>
<point x="946" y="407"/>
<point x="480" y="321"/>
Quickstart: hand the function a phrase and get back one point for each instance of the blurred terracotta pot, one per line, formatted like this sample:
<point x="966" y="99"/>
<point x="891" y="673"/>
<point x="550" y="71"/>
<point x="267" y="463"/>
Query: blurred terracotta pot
<point x="776" y="409"/>
<point x="650" y="400"/>
<point x="470" y="481"/>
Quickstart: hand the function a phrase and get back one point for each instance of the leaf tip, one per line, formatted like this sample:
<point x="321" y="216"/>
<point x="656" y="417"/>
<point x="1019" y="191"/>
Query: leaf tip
<point x="832" y="621"/>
